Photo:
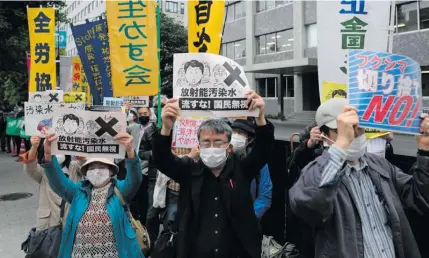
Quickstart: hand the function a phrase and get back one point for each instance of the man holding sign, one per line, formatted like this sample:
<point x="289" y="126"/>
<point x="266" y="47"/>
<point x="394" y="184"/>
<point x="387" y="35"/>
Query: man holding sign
<point x="216" y="216"/>
<point x="357" y="199"/>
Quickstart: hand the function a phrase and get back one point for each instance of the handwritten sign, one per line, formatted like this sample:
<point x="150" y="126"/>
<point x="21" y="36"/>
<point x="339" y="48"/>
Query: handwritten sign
<point x="386" y="90"/>
<point x="137" y="101"/>
<point x="186" y="131"/>
<point x="74" y="97"/>
<point x="49" y="96"/>
<point x="87" y="133"/>
<point x="210" y="85"/>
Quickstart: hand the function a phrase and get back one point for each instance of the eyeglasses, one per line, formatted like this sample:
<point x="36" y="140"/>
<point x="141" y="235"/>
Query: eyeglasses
<point x="216" y="144"/>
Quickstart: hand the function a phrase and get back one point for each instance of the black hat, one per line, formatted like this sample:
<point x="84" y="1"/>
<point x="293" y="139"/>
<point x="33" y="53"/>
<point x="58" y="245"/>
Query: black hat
<point x="245" y="125"/>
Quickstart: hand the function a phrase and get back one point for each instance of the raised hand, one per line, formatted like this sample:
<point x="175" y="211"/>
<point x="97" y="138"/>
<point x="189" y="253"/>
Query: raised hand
<point x="315" y="137"/>
<point x="255" y="101"/>
<point x="347" y="124"/>
<point x="127" y="141"/>
<point x="47" y="146"/>
<point x="423" y="140"/>
<point x="169" y="114"/>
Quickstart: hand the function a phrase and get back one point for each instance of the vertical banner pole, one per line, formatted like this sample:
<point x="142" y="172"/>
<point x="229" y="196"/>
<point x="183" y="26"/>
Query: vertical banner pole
<point x="158" y="25"/>
<point x="392" y="25"/>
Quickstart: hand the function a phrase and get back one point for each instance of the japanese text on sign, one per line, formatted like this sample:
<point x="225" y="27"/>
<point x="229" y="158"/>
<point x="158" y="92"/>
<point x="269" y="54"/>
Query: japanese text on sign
<point x="386" y="89"/>
<point x="186" y="131"/>
<point x="133" y="47"/>
<point x="138" y="101"/>
<point x="41" y="26"/>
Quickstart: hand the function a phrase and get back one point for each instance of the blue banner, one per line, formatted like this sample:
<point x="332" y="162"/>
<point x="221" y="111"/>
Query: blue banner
<point x="93" y="47"/>
<point x="386" y="89"/>
<point x="61" y="38"/>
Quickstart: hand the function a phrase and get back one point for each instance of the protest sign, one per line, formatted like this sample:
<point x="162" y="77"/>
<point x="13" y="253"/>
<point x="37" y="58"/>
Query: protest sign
<point x="41" y="29"/>
<point x="99" y="108"/>
<point x="386" y="90"/>
<point x="210" y="85"/>
<point x="38" y="116"/>
<point x="13" y="126"/>
<point x="113" y="102"/>
<point x="344" y="25"/>
<point x="137" y="101"/>
<point x="205" y="24"/>
<point x="133" y="40"/>
<point x="186" y="132"/>
<point x="74" y="97"/>
<point x="49" y="96"/>
<point x="333" y="90"/>
<point x="88" y="134"/>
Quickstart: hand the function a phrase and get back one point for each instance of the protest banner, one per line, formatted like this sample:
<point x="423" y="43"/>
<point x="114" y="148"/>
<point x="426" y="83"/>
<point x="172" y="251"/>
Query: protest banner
<point x="386" y="90"/>
<point x="92" y="44"/>
<point x="41" y="28"/>
<point x="137" y="101"/>
<point x="74" y="97"/>
<point x="38" y="116"/>
<point x="133" y="38"/>
<point x="205" y="26"/>
<point x="185" y="132"/>
<point x="99" y="108"/>
<point x="113" y="102"/>
<point x="210" y="85"/>
<point x="332" y="90"/>
<point x="344" y="25"/>
<point x="77" y="68"/>
<point x="13" y="126"/>
<point x="88" y="134"/>
<point x="49" y="96"/>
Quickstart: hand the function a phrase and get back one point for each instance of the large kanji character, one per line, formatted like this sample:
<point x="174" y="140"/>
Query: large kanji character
<point x="43" y="82"/>
<point x="42" y="23"/>
<point x="132" y="11"/>
<point x="137" y="75"/>
<point x="135" y="51"/>
<point x="42" y="53"/>
<point x="202" y="11"/>
<point x="202" y="38"/>
<point x="138" y="28"/>
<point x="354" y="4"/>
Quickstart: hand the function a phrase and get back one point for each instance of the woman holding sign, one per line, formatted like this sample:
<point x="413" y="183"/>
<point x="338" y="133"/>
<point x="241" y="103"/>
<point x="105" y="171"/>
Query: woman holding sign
<point x="97" y="224"/>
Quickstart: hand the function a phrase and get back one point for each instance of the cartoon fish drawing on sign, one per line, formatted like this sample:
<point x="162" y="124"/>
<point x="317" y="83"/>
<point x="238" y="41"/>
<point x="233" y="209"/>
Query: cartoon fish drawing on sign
<point x="44" y="126"/>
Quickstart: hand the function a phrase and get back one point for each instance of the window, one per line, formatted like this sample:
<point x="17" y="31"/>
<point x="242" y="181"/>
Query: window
<point x="93" y="5"/>
<point x="425" y="83"/>
<point x="182" y="8"/>
<point x="262" y="5"/>
<point x="239" y="49"/>
<point x="89" y="8"/>
<point x="229" y="13"/>
<point x="284" y="40"/>
<point x="230" y="50"/>
<point x="275" y="42"/>
<point x="235" y="11"/>
<point x="171" y="7"/>
<point x="267" y="87"/>
<point x="424" y="15"/>
<point x="311" y="36"/>
<point x="406" y="17"/>
<point x="290" y="92"/>
<point x="262" y="87"/>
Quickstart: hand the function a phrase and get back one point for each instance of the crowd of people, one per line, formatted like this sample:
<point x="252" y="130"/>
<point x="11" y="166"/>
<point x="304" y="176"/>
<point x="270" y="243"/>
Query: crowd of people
<point x="209" y="201"/>
<point x="11" y="144"/>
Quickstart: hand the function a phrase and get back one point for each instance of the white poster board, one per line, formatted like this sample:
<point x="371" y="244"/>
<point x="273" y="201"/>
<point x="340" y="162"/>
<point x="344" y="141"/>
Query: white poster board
<point x="49" y="96"/>
<point x="210" y="85"/>
<point x="88" y="134"/>
<point x="345" y="25"/>
<point x="38" y="116"/>
<point x="113" y="102"/>
<point x="137" y="101"/>
<point x="185" y="132"/>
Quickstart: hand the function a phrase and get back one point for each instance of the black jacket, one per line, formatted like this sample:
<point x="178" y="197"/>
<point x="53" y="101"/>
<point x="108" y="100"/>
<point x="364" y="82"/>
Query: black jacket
<point x="145" y="149"/>
<point x="235" y="179"/>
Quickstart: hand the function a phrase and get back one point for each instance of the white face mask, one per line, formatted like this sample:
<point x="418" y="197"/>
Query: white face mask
<point x="238" y="141"/>
<point x="357" y="149"/>
<point x="98" y="176"/>
<point x="213" y="157"/>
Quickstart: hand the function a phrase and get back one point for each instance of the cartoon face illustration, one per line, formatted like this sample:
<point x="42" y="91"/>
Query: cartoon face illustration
<point x="219" y="74"/>
<point x="194" y="72"/>
<point x="37" y="98"/>
<point x="70" y="124"/>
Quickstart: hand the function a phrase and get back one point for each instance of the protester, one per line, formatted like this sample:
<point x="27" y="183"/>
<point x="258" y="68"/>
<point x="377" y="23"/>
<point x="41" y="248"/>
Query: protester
<point x="48" y="212"/>
<point x="243" y="133"/>
<point x="2" y="131"/>
<point x="356" y="200"/>
<point x="216" y="215"/>
<point x="97" y="224"/>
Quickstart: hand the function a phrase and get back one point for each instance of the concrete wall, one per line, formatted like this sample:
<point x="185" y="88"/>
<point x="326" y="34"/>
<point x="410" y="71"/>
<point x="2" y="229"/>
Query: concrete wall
<point x="271" y="106"/>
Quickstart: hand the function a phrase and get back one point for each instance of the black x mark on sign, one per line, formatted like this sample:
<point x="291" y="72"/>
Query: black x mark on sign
<point x="54" y="97"/>
<point x="106" y="127"/>
<point x="234" y="75"/>
<point x="78" y="97"/>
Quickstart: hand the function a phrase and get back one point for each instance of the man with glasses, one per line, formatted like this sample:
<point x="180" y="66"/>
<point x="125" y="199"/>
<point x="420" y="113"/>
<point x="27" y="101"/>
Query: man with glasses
<point x="216" y="216"/>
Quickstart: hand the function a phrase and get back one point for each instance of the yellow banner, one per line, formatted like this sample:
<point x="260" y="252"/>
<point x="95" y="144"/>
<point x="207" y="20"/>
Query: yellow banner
<point x="41" y="29"/>
<point x="205" y="23"/>
<point x="133" y="39"/>
<point x="84" y="86"/>
<point x="80" y="83"/>
<point x="74" y="97"/>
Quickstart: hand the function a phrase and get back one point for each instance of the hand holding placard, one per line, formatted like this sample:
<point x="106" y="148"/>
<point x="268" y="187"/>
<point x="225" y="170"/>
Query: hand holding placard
<point x="423" y="140"/>
<point x="347" y="122"/>
<point x="127" y="141"/>
<point x="169" y="114"/>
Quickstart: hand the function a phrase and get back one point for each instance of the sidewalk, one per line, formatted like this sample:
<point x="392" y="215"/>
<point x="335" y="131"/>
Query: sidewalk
<point x="16" y="217"/>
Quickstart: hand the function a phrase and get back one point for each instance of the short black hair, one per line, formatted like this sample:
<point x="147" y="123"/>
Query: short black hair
<point x="339" y="93"/>
<point x="325" y="130"/>
<point x="71" y="117"/>
<point x="37" y="95"/>
<point x="194" y="63"/>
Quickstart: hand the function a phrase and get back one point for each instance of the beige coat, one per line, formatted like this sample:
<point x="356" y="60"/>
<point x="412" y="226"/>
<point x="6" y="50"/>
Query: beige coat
<point x="48" y="212"/>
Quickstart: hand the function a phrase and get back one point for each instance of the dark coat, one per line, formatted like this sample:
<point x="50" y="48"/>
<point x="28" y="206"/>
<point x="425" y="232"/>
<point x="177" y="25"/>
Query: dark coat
<point x="235" y="180"/>
<point x="145" y="150"/>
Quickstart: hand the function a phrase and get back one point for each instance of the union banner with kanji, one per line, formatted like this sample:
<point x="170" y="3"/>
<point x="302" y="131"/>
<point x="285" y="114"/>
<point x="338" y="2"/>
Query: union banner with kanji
<point x="80" y="83"/>
<point x="344" y="25"/>
<point x="205" y="23"/>
<point x="41" y="29"/>
<point x="133" y="39"/>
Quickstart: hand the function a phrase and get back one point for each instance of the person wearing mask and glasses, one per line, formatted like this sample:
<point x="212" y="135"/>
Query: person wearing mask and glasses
<point x="216" y="215"/>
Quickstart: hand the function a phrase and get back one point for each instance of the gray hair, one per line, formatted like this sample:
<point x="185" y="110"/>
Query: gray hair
<point x="217" y="126"/>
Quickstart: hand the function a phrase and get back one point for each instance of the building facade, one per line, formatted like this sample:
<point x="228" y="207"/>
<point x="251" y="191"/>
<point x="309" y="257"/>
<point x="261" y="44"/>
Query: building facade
<point x="80" y="10"/>
<point x="276" y="43"/>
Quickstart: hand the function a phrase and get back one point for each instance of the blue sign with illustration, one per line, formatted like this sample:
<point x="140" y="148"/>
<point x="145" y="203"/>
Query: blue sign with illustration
<point x="61" y="38"/>
<point x="386" y="90"/>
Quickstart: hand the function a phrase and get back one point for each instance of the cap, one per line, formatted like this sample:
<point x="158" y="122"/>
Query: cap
<point x="327" y="112"/>
<point x="85" y="166"/>
<point x="244" y="125"/>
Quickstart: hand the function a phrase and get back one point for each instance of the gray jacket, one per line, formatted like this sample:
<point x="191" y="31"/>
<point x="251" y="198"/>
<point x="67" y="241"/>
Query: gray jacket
<point x="331" y="210"/>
